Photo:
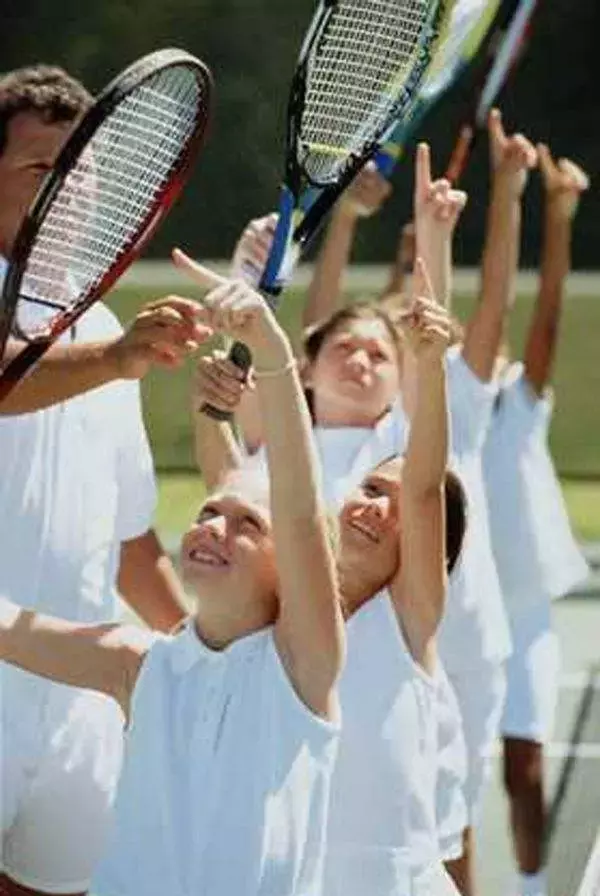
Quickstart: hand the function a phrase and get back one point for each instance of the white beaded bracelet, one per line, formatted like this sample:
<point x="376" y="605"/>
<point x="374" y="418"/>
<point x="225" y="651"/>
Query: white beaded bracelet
<point x="265" y="374"/>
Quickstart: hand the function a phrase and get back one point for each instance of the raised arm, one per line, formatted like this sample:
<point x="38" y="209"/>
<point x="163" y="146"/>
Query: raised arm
<point x="419" y="589"/>
<point x="162" y="334"/>
<point x="393" y="295"/>
<point x="104" y="658"/>
<point x="437" y="208"/>
<point x="309" y="629"/>
<point x="564" y="182"/>
<point x="511" y="158"/>
<point x="365" y="196"/>
<point x="215" y="445"/>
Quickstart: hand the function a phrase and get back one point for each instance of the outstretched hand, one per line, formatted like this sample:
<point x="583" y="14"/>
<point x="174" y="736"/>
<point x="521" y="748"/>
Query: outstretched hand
<point x="163" y="333"/>
<point x="366" y="193"/>
<point x="425" y="325"/>
<point x="564" y="182"/>
<point x="436" y="203"/>
<point x="512" y="157"/>
<point x="234" y="308"/>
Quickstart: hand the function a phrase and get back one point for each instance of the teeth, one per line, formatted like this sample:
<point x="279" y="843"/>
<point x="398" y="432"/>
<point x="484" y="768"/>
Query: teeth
<point x="204" y="557"/>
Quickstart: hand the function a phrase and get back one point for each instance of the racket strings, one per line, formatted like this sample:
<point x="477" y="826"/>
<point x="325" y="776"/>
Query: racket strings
<point x="361" y="62"/>
<point x="111" y="190"/>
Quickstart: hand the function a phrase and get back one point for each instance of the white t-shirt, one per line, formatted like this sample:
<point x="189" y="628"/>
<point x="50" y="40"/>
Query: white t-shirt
<point x="225" y="784"/>
<point x="347" y="453"/>
<point x="536" y="554"/>
<point x="450" y="804"/>
<point x="474" y="627"/>
<point x="382" y="826"/>
<point x="77" y="480"/>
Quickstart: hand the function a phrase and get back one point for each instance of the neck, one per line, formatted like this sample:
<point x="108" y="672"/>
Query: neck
<point x="354" y="592"/>
<point x="219" y="626"/>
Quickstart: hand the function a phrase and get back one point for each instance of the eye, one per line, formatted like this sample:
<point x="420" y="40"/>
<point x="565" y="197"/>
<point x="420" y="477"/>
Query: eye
<point x="379" y="357"/>
<point x="250" y="523"/>
<point x="207" y="513"/>
<point x="372" y="490"/>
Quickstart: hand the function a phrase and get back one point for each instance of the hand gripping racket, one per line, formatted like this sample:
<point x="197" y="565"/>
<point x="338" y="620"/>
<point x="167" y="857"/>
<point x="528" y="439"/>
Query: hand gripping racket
<point x="114" y="180"/>
<point x="359" y="70"/>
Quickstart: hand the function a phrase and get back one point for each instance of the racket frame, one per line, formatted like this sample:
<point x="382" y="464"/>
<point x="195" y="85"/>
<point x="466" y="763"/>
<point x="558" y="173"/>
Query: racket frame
<point x="113" y="94"/>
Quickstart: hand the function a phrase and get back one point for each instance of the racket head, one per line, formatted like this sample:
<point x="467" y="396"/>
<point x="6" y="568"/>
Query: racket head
<point x="113" y="181"/>
<point x="509" y="46"/>
<point x="359" y="69"/>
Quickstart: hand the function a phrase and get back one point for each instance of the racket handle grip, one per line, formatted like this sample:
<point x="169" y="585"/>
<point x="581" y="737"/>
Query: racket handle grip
<point x="239" y="354"/>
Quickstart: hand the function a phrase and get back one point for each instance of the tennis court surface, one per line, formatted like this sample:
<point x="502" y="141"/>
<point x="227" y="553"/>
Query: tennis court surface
<point x="573" y="765"/>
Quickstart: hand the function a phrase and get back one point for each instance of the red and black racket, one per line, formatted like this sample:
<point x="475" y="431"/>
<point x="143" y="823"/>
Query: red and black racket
<point x="507" y="43"/>
<point x="114" y="180"/>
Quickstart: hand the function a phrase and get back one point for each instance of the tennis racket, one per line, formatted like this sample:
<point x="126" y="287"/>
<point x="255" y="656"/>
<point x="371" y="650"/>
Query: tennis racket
<point x="506" y="48"/>
<point x="467" y="29"/>
<point x="358" y="73"/>
<point x="114" y="180"/>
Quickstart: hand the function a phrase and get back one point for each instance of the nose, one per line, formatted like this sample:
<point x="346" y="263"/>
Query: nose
<point x="359" y="360"/>
<point x="372" y="508"/>
<point x="216" y="526"/>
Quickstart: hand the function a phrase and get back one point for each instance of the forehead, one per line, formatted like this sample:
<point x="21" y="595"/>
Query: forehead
<point x="243" y="493"/>
<point x="369" y="329"/>
<point x="389" y="471"/>
<point x="31" y="138"/>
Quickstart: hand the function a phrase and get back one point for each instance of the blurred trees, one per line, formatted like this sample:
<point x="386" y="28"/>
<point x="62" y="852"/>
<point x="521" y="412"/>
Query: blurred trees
<point x="251" y="47"/>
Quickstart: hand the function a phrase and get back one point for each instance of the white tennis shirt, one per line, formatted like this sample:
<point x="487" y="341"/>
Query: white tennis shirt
<point x="474" y="627"/>
<point x="77" y="480"/>
<point x="536" y="554"/>
<point x="225" y="785"/>
<point x="382" y="828"/>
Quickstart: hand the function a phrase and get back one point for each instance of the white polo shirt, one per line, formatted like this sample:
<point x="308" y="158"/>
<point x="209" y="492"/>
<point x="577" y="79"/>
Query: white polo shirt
<point x="225" y="784"/>
<point x="382" y="827"/>
<point x="474" y="627"/>
<point x="78" y="480"/>
<point x="536" y="553"/>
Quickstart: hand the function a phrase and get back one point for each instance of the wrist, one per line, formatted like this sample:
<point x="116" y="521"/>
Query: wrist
<point x="272" y="355"/>
<point x="113" y="357"/>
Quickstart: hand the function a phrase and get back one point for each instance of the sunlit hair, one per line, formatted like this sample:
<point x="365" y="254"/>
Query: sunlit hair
<point x="315" y="336"/>
<point x="456" y="509"/>
<point x="43" y="89"/>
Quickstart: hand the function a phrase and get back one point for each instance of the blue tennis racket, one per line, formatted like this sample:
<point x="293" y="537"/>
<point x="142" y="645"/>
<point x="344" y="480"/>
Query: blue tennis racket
<point x="360" y="68"/>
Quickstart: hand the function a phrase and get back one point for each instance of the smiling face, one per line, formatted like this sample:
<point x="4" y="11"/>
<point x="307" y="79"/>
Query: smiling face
<point x="369" y="530"/>
<point x="228" y="553"/>
<point x="355" y="375"/>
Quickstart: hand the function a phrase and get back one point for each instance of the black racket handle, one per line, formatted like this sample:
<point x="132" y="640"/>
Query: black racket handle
<point x="240" y="355"/>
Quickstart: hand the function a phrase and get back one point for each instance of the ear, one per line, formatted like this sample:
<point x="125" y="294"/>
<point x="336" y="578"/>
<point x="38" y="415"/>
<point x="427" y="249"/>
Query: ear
<point x="305" y="369"/>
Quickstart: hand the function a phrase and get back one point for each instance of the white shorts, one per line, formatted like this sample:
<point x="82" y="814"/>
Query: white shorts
<point x="480" y="692"/>
<point x="532" y="676"/>
<point x="60" y="762"/>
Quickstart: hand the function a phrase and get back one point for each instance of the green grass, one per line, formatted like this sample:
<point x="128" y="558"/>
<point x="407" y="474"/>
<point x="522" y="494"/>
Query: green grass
<point x="576" y="426"/>
<point x="181" y="493"/>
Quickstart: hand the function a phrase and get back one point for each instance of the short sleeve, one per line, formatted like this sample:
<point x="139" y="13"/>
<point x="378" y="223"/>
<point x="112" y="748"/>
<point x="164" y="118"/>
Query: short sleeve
<point x="520" y="408"/>
<point x="471" y="403"/>
<point x="135" y="468"/>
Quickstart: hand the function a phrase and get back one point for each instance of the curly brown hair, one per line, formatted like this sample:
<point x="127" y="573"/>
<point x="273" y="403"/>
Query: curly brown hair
<point x="47" y="90"/>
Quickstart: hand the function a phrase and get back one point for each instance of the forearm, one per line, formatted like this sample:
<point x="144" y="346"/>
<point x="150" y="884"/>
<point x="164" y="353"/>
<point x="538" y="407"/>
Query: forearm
<point x="540" y="346"/>
<point x="485" y="330"/>
<point x="217" y="452"/>
<point x="400" y="270"/>
<point x="325" y="289"/>
<point x="427" y="450"/>
<point x="62" y="373"/>
<point x="149" y="583"/>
